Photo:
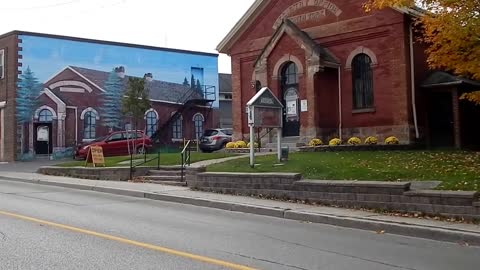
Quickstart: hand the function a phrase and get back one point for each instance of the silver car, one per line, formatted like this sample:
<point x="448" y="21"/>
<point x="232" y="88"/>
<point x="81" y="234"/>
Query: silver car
<point x="215" y="139"/>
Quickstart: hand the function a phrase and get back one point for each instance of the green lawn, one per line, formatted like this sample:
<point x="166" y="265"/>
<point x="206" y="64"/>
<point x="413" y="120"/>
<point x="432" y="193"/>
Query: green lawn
<point x="456" y="169"/>
<point x="165" y="159"/>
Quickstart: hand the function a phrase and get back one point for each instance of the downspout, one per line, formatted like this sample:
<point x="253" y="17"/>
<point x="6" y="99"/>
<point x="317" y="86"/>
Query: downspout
<point x="412" y="80"/>
<point x="339" y="103"/>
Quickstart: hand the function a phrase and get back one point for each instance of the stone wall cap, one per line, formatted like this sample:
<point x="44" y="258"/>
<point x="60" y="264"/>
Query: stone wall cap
<point x="443" y="193"/>
<point x="260" y="175"/>
<point x="353" y="183"/>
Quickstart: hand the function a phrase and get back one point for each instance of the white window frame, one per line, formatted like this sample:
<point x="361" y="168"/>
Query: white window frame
<point x="198" y="129"/>
<point x="2" y="64"/>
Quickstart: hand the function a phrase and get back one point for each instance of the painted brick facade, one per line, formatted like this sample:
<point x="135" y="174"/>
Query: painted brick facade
<point x="383" y="35"/>
<point x="70" y="91"/>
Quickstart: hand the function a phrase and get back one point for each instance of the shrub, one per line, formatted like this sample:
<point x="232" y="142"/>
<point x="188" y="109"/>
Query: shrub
<point x="315" y="142"/>
<point x="354" y="141"/>
<point x="231" y="145"/>
<point x="241" y="144"/>
<point x="334" y="142"/>
<point x="371" y="140"/>
<point x="391" y="140"/>
<point x="255" y="145"/>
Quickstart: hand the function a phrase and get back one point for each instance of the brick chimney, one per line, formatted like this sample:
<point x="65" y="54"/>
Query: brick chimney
<point x="148" y="77"/>
<point x="120" y="71"/>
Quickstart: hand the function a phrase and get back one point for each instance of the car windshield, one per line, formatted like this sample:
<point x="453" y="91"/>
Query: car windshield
<point x="210" y="132"/>
<point x="99" y="139"/>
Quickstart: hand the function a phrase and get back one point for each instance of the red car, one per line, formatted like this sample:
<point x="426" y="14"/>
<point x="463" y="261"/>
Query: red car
<point x="116" y="144"/>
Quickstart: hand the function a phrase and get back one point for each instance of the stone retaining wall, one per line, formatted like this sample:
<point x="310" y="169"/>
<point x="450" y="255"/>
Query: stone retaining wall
<point x="362" y="147"/>
<point x="108" y="173"/>
<point x="395" y="196"/>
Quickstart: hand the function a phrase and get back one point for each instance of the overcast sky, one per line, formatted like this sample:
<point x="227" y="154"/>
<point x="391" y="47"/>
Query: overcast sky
<point x="181" y="24"/>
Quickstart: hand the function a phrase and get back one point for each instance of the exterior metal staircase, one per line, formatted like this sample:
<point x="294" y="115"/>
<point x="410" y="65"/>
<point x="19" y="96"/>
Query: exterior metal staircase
<point x="189" y="100"/>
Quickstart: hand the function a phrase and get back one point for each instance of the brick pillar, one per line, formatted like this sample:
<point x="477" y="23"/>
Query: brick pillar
<point x="456" y="119"/>
<point x="2" y="134"/>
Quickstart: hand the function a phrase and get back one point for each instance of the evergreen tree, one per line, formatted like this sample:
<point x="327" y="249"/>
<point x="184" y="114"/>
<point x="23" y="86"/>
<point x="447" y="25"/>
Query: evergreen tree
<point x="198" y="88"/>
<point x="185" y="82"/>
<point x="112" y="97"/>
<point x="192" y="84"/>
<point x="26" y="100"/>
<point x="28" y="91"/>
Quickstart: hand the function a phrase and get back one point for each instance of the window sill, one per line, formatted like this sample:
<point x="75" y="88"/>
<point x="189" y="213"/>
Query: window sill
<point x="364" y="110"/>
<point x="177" y="140"/>
<point x="88" y="140"/>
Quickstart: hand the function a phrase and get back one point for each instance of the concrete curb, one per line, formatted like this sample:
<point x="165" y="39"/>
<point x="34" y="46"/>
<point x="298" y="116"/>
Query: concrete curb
<point x="390" y="227"/>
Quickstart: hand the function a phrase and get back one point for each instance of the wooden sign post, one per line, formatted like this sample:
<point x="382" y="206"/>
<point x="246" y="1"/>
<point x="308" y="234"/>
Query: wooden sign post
<point x="95" y="156"/>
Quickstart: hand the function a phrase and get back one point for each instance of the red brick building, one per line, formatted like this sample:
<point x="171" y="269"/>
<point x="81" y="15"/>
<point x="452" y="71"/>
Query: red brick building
<point x="339" y="71"/>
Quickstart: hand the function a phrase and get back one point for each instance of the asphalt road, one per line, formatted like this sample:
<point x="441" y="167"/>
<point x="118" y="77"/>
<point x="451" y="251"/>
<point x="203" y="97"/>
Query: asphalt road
<point x="90" y="230"/>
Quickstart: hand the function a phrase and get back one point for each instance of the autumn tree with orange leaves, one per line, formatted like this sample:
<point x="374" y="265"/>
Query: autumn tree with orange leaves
<point x="452" y="30"/>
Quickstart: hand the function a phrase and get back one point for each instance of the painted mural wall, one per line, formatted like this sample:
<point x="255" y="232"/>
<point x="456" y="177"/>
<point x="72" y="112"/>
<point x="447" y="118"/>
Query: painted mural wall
<point x="44" y="60"/>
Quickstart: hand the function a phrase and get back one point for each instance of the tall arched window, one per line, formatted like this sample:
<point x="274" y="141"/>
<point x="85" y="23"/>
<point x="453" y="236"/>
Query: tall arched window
<point x="151" y="122"/>
<point x="177" y="130"/>
<point x="45" y="116"/>
<point x="198" y="123"/>
<point x="89" y="125"/>
<point x="362" y="81"/>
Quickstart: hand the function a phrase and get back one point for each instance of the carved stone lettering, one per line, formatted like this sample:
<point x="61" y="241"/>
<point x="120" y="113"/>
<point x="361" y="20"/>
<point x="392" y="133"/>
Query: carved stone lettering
<point x="311" y="16"/>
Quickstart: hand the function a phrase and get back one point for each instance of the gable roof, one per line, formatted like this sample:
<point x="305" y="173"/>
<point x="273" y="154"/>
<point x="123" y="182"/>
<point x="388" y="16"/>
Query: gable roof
<point x="258" y="6"/>
<point x="325" y="57"/>
<point x="159" y="90"/>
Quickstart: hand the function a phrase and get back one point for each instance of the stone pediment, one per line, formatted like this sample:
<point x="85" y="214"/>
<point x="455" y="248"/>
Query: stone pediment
<point x="316" y="54"/>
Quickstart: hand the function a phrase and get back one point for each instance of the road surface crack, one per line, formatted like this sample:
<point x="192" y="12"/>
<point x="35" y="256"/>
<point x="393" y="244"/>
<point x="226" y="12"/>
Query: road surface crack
<point x="338" y="253"/>
<point x="3" y="236"/>
<point x="264" y="260"/>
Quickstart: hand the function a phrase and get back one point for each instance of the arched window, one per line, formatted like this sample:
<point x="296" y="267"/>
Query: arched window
<point x="177" y="128"/>
<point x="198" y="123"/>
<point x="151" y="122"/>
<point x="289" y="74"/>
<point x="362" y="81"/>
<point x="89" y="125"/>
<point x="45" y="116"/>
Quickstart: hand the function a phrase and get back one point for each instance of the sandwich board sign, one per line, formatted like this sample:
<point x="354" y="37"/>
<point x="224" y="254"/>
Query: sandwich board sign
<point x="264" y="111"/>
<point x="95" y="156"/>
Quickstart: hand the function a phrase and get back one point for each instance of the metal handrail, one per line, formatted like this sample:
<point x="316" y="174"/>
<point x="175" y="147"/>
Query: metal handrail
<point x="185" y="155"/>
<point x="133" y="167"/>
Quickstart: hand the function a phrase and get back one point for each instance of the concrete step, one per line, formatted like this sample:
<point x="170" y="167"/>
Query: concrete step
<point x="168" y="183"/>
<point x="165" y="172"/>
<point x="162" y="178"/>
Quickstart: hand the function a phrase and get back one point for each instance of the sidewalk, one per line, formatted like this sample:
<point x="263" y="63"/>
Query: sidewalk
<point x="422" y="228"/>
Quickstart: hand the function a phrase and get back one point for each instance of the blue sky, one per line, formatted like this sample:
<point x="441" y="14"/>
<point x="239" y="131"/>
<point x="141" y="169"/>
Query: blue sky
<point x="47" y="56"/>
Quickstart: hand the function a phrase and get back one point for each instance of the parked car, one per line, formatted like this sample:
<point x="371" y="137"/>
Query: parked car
<point x="116" y="144"/>
<point x="215" y="139"/>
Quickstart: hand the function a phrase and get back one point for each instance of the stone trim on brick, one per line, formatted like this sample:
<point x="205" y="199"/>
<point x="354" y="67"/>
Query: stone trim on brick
<point x="357" y="51"/>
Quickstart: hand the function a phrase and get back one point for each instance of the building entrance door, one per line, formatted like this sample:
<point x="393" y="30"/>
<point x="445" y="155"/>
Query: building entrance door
<point x="42" y="133"/>
<point x="291" y="116"/>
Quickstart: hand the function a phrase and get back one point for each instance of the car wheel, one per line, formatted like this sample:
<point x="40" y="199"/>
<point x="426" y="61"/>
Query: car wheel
<point x="141" y="150"/>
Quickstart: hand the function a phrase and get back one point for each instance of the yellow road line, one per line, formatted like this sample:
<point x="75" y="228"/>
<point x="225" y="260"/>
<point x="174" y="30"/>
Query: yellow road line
<point x="131" y="242"/>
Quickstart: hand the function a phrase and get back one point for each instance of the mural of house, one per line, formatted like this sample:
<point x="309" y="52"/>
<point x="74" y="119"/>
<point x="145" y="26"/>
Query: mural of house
<point x="57" y="92"/>
<point x="342" y="72"/>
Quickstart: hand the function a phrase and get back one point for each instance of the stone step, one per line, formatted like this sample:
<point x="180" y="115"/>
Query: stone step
<point x="160" y="178"/>
<point x="168" y="183"/>
<point x="165" y="173"/>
